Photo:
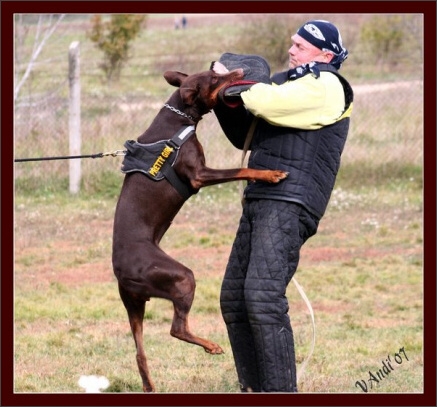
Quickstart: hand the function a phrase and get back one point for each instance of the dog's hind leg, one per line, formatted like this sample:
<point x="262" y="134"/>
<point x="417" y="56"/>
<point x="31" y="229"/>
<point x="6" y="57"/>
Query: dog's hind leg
<point x="135" y="308"/>
<point x="182" y="298"/>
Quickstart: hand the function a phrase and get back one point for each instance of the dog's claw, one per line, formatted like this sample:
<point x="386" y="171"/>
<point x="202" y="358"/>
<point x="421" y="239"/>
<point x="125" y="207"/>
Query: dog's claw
<point x="284" y="175"/>
<point x="215" y="350"/>
<point x="279" y="176"/>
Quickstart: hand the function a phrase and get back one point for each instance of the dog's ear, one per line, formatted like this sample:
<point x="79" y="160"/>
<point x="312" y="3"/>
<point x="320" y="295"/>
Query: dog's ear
<point x="189" y="95"/>
<point x="174" y="78"/>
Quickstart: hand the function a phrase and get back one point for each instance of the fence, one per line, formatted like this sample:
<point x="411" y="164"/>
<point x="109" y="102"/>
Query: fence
<point x="386" y="127"/>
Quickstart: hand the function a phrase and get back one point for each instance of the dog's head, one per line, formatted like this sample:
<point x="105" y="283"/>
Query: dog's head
<point x="200" y="91"/>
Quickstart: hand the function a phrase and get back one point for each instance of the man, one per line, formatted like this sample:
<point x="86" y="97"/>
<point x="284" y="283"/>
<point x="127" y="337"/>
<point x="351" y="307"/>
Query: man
<point x="302" y="121"/>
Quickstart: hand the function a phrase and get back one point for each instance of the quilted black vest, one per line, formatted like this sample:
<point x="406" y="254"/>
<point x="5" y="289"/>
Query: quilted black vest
<point x="312" y="158"/>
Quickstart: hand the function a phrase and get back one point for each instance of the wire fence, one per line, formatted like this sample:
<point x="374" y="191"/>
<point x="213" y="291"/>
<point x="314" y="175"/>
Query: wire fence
<point x="386" y="125"/>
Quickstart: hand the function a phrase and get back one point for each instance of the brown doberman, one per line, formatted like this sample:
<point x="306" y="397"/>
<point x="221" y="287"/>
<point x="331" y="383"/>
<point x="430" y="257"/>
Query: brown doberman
<point x="153" y="194"/>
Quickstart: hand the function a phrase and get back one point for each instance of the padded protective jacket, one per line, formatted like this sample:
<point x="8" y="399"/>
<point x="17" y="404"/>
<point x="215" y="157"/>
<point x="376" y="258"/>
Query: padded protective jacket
<point x="312" y="157"/>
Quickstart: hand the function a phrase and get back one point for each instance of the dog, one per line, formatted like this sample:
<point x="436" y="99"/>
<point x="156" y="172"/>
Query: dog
<point x="153" y="194"/>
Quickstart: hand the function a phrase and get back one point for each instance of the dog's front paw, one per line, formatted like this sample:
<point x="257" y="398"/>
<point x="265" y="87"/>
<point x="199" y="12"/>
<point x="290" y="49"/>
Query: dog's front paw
<point x="279" y="176"/>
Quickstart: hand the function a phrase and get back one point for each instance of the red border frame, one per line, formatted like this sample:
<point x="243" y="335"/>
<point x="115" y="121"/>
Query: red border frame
<point x="8" y="8"/>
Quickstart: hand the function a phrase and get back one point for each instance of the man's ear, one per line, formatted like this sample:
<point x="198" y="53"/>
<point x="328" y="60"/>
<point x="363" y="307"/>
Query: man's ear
<point x="329" y="56"/>
<point x="174" y="78"/>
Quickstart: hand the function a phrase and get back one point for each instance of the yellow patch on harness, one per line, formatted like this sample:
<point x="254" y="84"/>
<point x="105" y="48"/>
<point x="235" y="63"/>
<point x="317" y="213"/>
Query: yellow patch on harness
<point x="157" y="165"/>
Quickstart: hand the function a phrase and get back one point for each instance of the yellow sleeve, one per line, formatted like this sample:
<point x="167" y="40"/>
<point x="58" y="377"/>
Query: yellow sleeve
<point x="303" y="103"/>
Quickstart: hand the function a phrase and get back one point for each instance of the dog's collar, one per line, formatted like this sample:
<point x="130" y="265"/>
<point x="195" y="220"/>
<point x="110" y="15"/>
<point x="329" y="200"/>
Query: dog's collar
<point x="173" y="109"/>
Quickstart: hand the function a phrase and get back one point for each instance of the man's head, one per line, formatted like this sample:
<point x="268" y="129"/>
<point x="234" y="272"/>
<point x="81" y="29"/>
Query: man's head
<point x="319" y="41"/>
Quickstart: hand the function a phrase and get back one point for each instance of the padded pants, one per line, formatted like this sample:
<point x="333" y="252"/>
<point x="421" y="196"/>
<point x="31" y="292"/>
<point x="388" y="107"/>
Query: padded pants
<point x="263" y="260"/>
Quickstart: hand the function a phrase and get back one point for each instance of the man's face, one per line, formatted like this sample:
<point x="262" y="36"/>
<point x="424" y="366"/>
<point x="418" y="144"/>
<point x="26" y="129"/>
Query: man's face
<point x="302" y="52"/>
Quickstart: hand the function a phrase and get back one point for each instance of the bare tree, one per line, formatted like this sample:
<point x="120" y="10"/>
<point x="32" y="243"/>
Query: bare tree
<point x="46" y="26"/>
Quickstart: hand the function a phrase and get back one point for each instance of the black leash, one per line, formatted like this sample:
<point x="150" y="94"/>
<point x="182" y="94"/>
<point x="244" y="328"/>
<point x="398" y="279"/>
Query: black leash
<point x="72" y="157"/>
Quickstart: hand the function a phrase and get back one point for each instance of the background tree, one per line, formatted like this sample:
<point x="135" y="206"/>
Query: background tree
<point x="113" y="38"/>
<point x="384" y="35"/>
<point x="268" y="36"/>
<point x="46" y="25"/>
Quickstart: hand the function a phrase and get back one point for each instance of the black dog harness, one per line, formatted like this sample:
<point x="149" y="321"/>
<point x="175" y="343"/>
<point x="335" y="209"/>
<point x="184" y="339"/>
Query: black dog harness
<point x="156" y="160"/>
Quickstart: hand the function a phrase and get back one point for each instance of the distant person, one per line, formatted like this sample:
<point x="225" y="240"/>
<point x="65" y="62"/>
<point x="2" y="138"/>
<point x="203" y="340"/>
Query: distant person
<point x="184" y="22"/>
<point x="176" y="23"/>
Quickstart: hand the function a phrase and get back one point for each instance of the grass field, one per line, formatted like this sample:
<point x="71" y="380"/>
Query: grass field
<point x="363" y="271"/>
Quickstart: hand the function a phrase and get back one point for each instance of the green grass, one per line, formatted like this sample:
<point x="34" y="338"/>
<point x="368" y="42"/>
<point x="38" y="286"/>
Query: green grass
<point x="362" y="272"/>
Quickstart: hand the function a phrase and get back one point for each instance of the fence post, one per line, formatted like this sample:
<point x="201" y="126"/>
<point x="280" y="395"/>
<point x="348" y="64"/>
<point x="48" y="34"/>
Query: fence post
<point x="74" y="116"/>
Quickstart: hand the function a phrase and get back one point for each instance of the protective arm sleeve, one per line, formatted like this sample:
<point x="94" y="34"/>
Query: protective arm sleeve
<point x="235" y="123"/>
<point x="231" y="95"/>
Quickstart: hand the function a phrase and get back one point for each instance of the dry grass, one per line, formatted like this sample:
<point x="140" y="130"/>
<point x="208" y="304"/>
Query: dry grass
<point x="362" y="273"/>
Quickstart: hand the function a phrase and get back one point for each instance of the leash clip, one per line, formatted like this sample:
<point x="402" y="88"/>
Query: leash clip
<point x="115" y="153"/>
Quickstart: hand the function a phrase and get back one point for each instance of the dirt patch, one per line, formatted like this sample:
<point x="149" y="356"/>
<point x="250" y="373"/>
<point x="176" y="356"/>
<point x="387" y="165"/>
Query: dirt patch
<point x="205" y="262"/>
<point x="311" y="256"/>
<point x="42" y="276"/>
<point x="90" y="273"/>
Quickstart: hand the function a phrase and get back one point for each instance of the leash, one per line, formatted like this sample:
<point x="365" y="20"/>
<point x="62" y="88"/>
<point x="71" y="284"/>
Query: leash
<point x="301" y="291"/>
<point x="72" y="157"/>
<point x="248" y="139"/>
<point x="115" y="153"/>
<point x="246" y="145"/>
<point x="310" y="308"/>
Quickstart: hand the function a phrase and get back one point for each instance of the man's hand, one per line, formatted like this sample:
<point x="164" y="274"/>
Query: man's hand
<point x="231" y="94"/>
<point x="218" y="67"/>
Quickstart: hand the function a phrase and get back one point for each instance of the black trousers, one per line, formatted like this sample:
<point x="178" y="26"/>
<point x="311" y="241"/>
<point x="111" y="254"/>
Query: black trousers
<point x="263" y="260"/>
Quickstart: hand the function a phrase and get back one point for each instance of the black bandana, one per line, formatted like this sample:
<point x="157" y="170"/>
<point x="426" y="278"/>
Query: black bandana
<point x="326" y="37"/>
<point x="296" y="73"/>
